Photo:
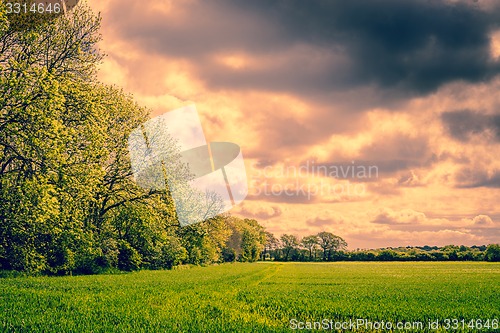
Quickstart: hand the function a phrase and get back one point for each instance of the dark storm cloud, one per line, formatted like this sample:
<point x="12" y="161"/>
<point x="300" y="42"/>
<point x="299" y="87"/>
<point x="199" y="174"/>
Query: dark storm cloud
<point x="416" y="45"/>
<point x="463" y="124"/>
<point x="475" y="177"/>
<point x="321" y="46"/>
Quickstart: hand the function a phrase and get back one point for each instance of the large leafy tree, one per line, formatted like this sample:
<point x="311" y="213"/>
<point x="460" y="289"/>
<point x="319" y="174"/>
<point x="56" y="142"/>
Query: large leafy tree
<point x="271" y="244"/>
<point x="69" y="201"/>
<point x="246" y="240"/>
<point x="492" y="252"/>
<point x="311" y="244"/>
<point x="330" y="243"/>
<point x="290" y="244"/>
<point x="65" y="178"/>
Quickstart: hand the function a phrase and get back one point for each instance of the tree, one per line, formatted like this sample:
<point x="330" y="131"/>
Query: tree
<point x="271" y="244"/>
<point x="69" y="200"/>
<point x="65" y="46"/>
<point x="170" y="253"/>
<point x="128" y="257"/>
<point x="492" y="253"/>
<point x="44" y="192"/>
<point x="330" y="243"/>
<point x="310" y="243"/>
<point x="290" y="243"/>
<point x="252" y="240"/>
<point x="246" y="240"/>
<point x="390" y="255"/>
<point x="206" y="240"/>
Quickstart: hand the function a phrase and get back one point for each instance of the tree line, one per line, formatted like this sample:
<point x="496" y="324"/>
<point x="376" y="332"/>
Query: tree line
<point x="326" y="246"/>
<point x="69" y="202"/>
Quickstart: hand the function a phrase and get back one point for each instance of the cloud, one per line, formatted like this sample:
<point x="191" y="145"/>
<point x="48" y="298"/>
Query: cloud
<point x="407" y="216"/>
<point x="279" y="196"/>
<point x="325" y="219"/>
<point x="385" y="188"/>
<point x="263" y="212"/>
<point x="369" y="170"/>
<point x="472" y="177"/>
<point x="464" y="124"/>
<point x="410" y="179"/>
<point x="315" y="47"/>
<point x="417" y="228"/>
<point x="396" y="147"/>
<point x="385" y="155"/>
<point x="482" y="220"/>
<point x="395" y="238"/>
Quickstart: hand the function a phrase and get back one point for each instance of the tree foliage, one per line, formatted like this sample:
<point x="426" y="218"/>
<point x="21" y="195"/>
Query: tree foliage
<point x="330" y="243"/>
<point x="69" y="202"/>
<point x="492" y="253"/>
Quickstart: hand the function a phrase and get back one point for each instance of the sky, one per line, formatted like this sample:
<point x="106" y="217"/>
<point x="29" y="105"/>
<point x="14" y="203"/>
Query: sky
<point x="376" y="120"/>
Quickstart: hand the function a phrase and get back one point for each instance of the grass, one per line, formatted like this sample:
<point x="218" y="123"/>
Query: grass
<point x="259" y="297"/>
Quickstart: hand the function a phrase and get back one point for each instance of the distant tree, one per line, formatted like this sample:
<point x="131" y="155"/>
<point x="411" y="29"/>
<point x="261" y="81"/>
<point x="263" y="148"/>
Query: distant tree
<point x="466" y="255"/>
<point x="330" y="243"/>
<point x="492" y="253"/>
<point x="387" y="255"/>
<point x="420" y="256"/>
<point x="310" y="243"/>
<point x="252" y="240"/>
<point x="451" y="251"/>
<point x="438" y="255"/>
<point x="290" y="243"/>
<point x="245" y="241"/>
<point x="271" y="244"/>
<point x="205" y="241"/>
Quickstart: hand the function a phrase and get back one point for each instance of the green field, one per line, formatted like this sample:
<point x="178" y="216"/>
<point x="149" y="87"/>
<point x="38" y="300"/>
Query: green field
<point x="258" y="297"/>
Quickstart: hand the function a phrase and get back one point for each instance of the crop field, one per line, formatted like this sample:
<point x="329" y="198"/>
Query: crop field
<point x="261" y="297"/>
